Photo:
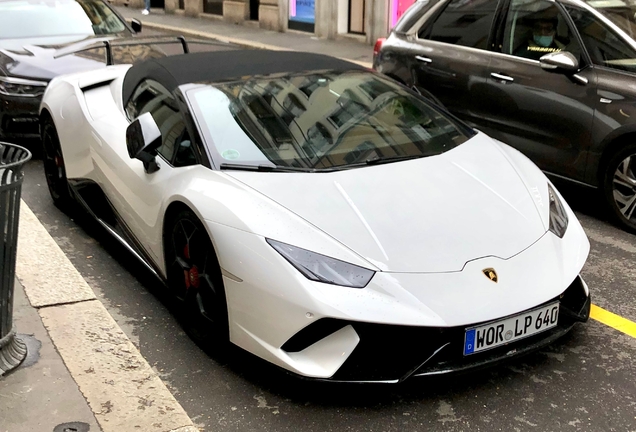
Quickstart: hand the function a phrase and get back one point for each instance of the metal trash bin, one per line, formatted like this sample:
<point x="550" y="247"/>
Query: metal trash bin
<point x="12" y="159"/>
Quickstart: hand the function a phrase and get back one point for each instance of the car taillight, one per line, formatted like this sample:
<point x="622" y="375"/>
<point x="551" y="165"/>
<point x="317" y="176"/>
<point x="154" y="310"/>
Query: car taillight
<point x="377" y="47"/>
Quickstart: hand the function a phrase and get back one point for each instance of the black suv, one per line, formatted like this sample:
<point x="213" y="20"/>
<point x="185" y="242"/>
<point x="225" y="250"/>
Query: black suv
<point x="555" y="79"/>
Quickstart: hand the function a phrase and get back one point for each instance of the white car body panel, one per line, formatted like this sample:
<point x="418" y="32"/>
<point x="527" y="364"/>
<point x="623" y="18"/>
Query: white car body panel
<point x="428" y="227"/>
<point x="260" y="313"/>
<point x="464" y="211"/>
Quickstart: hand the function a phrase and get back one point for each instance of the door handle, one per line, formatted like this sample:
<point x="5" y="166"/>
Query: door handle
<point x="501" y="77"/>
<point x="423" y="59"/>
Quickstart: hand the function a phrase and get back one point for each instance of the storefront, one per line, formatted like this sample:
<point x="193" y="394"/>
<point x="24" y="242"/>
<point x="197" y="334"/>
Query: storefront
<point x="214" y="7"/>
<point x="302" y="15"/>
<point x="364" y="20"/>
<point x="356" y="17"/>
<point x="398" y="7"/>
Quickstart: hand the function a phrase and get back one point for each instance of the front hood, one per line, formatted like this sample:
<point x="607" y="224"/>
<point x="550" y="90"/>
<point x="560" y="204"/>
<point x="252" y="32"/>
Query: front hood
<point x="425" y="215"/>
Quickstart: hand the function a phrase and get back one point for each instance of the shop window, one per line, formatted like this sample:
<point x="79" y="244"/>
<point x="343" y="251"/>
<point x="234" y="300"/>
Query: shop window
<point x="302" y="15"/>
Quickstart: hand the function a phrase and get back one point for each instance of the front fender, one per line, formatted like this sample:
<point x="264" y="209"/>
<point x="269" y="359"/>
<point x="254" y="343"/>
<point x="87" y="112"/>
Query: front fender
<point x="219" y="199"/>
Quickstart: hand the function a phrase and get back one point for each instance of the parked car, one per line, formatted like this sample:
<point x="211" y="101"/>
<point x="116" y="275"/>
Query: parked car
<point x="318" y="214"/>
<point x="554" y="79"/>
<point x="30" y="35"/>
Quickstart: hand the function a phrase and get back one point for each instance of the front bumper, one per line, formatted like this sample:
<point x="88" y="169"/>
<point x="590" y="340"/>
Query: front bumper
<point x="19" y="117"/>
<point x="393" y="354"/>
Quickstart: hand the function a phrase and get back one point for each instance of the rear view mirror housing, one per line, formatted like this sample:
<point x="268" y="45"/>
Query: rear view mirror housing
<point x="143" y="137"/>
<point x="135" y="24"/>
<point x="561" y="61"/>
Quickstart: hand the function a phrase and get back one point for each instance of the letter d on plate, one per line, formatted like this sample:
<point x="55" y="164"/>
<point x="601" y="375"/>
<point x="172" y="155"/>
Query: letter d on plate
<point x="469" y="342"/>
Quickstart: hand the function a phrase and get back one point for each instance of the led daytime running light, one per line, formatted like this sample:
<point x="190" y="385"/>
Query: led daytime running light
<point x="321" y="268"/>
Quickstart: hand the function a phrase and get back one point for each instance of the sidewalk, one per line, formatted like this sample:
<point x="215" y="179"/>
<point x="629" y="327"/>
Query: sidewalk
<point x="253" y="37"/>
<point x="82" y="373"/>
<point x="40" y="395"/>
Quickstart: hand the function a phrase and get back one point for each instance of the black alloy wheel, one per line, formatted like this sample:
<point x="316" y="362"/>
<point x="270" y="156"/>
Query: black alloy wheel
<point x="195" y="277"/>
<point x="619" y="187"/>
<point x="54" y="168"/>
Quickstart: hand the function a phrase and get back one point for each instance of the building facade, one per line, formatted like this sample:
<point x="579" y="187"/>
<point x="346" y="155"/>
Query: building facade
<point x="365" y="20"/>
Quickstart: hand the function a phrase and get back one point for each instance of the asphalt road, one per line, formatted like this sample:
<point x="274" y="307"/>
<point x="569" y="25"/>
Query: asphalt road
<point x="586" y="381"/>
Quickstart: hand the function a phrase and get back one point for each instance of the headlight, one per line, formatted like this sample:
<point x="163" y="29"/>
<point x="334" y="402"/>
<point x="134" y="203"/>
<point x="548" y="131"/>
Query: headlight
<point x="558" y="215"/>
<point x="21" y="87"/>
<point x="322" y="268"/>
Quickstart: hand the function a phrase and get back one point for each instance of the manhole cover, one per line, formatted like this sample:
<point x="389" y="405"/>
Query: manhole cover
<point x="72" y="427"/>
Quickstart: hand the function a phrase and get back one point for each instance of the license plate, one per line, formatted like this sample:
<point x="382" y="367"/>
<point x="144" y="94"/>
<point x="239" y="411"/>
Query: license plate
<point x="508" y="330"/>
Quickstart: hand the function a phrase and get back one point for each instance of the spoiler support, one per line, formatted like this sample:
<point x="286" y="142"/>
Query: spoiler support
<point x="109" y="43"/>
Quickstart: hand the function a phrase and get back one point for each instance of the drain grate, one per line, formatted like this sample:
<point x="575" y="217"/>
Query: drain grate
<point x="72" y="427"/>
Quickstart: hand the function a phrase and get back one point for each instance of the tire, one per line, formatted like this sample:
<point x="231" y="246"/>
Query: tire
<point x="54" y="167"/>
<point x="619" y="187"/>
<point x="194" y="275"/>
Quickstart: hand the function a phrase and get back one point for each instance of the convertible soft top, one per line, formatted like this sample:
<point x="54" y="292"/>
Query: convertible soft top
<point x="173" y="71"/>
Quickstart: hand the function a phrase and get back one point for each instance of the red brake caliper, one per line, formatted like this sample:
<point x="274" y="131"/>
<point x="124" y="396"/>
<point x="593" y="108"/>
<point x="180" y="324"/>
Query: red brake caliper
<point x="192" y="275"/>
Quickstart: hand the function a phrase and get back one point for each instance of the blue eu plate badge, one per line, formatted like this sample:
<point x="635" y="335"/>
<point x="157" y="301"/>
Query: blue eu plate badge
<point x="469" y="343"/>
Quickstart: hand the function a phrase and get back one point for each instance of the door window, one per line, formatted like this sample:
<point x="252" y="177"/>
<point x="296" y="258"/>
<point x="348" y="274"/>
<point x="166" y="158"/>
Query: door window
<point x="176" y="146"/>
<point x="535" y="28"/>
<point x="463" y="22"/>
<point x="603" y="45"/>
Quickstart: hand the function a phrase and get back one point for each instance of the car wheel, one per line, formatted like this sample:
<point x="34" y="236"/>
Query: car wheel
<point x="619" y="187"/>
<point x="54" y="168"/>
<point x="195" y="276"/>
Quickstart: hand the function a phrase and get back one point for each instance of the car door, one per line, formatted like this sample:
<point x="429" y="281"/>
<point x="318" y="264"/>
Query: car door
<point x="138" y="196"/>
<point x="450" y="58"/>
<point x="614" y="61"/>
<point x="546" y="115"/>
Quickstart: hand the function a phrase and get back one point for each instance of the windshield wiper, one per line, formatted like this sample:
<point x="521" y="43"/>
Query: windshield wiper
<point x="263" y="168"/>
<point x="389" y="159"/>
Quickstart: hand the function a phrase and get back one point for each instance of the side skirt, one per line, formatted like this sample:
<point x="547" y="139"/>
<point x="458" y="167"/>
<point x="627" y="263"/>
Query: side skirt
<point x="90" y="196"/>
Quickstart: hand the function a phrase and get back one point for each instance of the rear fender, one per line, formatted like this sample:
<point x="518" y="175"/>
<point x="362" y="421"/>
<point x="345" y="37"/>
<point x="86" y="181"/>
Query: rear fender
<point x="65" y="102"/>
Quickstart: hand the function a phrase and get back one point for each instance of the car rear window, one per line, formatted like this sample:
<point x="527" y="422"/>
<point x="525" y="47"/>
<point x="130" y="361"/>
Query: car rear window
<point x="320" y="121"/>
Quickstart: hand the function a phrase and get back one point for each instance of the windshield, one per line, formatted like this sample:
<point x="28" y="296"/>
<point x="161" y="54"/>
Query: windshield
<point x="620" y="12"/>
<point x="320" y="121"/>
<point x="27" y="19"/>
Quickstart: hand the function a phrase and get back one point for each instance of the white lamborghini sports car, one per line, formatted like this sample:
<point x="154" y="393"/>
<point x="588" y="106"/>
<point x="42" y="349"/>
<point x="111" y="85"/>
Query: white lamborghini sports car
<point x="317" y="214"/>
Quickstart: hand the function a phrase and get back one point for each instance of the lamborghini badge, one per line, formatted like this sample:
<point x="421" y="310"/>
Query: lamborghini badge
<point x="490" y="274"/>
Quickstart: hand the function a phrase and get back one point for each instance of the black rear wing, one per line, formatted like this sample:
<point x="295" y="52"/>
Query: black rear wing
<point x="110" y="43"/>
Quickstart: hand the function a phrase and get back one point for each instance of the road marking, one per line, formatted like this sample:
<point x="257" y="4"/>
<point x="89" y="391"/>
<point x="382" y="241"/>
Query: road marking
<point x="614" y="321"/>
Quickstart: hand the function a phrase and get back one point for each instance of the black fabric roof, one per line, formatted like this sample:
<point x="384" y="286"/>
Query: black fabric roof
<point x="173" y="71"/>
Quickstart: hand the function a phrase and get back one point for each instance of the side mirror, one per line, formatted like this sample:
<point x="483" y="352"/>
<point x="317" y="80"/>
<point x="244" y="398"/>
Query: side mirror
<point x="561" y="61"/>
<point x="143" y="137"/>
<point x="135" y="24"/>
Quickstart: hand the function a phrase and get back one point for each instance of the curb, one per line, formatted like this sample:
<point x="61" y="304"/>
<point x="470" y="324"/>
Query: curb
<point x="121" y="388"/>
<point x="231" y="40"/>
